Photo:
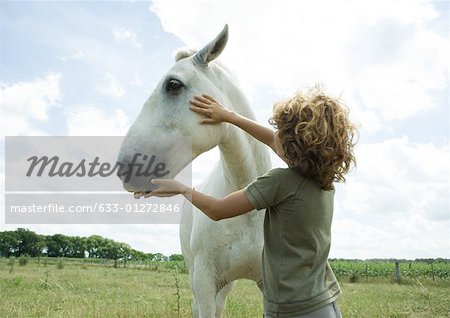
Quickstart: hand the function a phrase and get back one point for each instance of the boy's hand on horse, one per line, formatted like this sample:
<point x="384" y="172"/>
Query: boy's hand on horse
<point x="210" y="108"/>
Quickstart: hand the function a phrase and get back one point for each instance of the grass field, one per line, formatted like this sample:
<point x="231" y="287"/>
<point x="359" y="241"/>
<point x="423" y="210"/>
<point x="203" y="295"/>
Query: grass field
<point x="67" y="289"/>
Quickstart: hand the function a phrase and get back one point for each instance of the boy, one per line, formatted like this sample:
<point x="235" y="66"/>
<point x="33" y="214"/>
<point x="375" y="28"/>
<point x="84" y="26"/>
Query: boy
<point x="314" y="136"/>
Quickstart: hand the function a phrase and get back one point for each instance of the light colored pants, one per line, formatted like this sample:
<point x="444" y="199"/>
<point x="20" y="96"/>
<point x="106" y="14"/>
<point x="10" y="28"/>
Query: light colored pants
<point x="329" y="311"/>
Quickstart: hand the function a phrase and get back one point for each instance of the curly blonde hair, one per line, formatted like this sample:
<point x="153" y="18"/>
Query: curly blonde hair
<point x="316" y="136"/>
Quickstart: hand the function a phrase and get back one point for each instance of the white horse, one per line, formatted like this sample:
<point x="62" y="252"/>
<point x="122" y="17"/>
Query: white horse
<point x="216" y="253"/>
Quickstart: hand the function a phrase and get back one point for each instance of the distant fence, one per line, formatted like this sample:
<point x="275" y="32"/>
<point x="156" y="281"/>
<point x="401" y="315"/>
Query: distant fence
<point x="355" y="269"/>
<point x="352" y="269"/>
<point x="180" y="266"/>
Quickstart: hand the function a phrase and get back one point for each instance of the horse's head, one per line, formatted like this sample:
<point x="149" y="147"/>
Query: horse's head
<point x="166" y="126"/>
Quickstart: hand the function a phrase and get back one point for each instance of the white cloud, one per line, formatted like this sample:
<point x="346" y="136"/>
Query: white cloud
<point x="126" y="35"/>
<point x="111" y="86"/>
<point x="399" y="192"/>
<point x="91" y="121"/>
<point x="382" y="56"/>
<point x="413" y="237"/>
<point x="74" y="55"/>
<point x="25" y="104"/>
<point x="389" y="63"/>
<point x="385" y="90"/>
<point x="202" y="165"/>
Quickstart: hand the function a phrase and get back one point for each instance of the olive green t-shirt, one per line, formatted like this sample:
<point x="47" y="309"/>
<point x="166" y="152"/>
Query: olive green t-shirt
<point x="297" y="237"/>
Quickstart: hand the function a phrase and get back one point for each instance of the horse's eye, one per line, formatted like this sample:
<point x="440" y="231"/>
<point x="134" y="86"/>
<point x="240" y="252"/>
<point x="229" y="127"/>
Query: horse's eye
<point x="173" y="85"/>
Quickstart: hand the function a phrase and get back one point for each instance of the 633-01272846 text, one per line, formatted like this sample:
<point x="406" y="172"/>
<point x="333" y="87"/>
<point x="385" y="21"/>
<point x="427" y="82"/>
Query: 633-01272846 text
<point x="98" y="208"/>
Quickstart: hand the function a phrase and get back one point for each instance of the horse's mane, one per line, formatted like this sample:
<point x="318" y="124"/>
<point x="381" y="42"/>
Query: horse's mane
<point x="184" y="53"/>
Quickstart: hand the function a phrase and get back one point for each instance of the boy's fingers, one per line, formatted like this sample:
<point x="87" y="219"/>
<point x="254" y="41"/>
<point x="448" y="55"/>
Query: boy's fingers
<point x="199" y="110"/>
<point x="209" y="98"/>
<point x="162" y="194"/>
<point x="156" y="181"/>
<point x="199" y="103"/>
<point x="202" y="99"/>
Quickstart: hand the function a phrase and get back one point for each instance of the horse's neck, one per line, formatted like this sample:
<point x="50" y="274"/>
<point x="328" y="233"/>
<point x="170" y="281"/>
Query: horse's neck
<point x="243" y="158"/>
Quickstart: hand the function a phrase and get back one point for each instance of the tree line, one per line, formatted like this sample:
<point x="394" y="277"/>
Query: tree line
<point x="23" y="242"/>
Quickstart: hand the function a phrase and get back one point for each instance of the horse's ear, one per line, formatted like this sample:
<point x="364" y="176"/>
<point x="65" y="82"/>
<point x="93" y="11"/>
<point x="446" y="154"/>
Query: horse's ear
<point x="213" y="49"/>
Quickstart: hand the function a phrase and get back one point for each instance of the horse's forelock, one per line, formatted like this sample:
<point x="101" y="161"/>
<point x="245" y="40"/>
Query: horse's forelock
<point x="187" y="52"/>
<point x="184" y="53"/>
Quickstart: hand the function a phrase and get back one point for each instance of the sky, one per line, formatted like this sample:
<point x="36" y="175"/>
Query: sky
<point x="85" y="68"/>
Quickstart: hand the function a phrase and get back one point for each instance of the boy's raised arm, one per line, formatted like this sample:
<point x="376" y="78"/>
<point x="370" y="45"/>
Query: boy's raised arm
<point x="216" y="113"/>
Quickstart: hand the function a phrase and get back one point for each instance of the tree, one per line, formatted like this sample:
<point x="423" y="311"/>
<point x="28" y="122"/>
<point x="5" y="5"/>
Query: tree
<point x="25" y="242"/>
<point x="93" y="244"/>
<point x="28" y="243"/>
<point x="78" y="247"/>
<point x="9" y="243"/>
<point x="158" y="257"/>
<point x="138" y="255"/>
<point x="58" y="245"/>
<point x="115" y="250"/>
<point x="176" y="257"/>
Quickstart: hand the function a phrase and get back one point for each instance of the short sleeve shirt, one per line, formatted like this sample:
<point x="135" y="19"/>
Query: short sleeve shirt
<point x="297" y="238"/>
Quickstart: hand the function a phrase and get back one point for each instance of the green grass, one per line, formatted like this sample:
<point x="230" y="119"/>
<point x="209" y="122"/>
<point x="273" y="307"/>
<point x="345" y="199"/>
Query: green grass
<point x="392" y="300"/>
<point x="84" y="290"/>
